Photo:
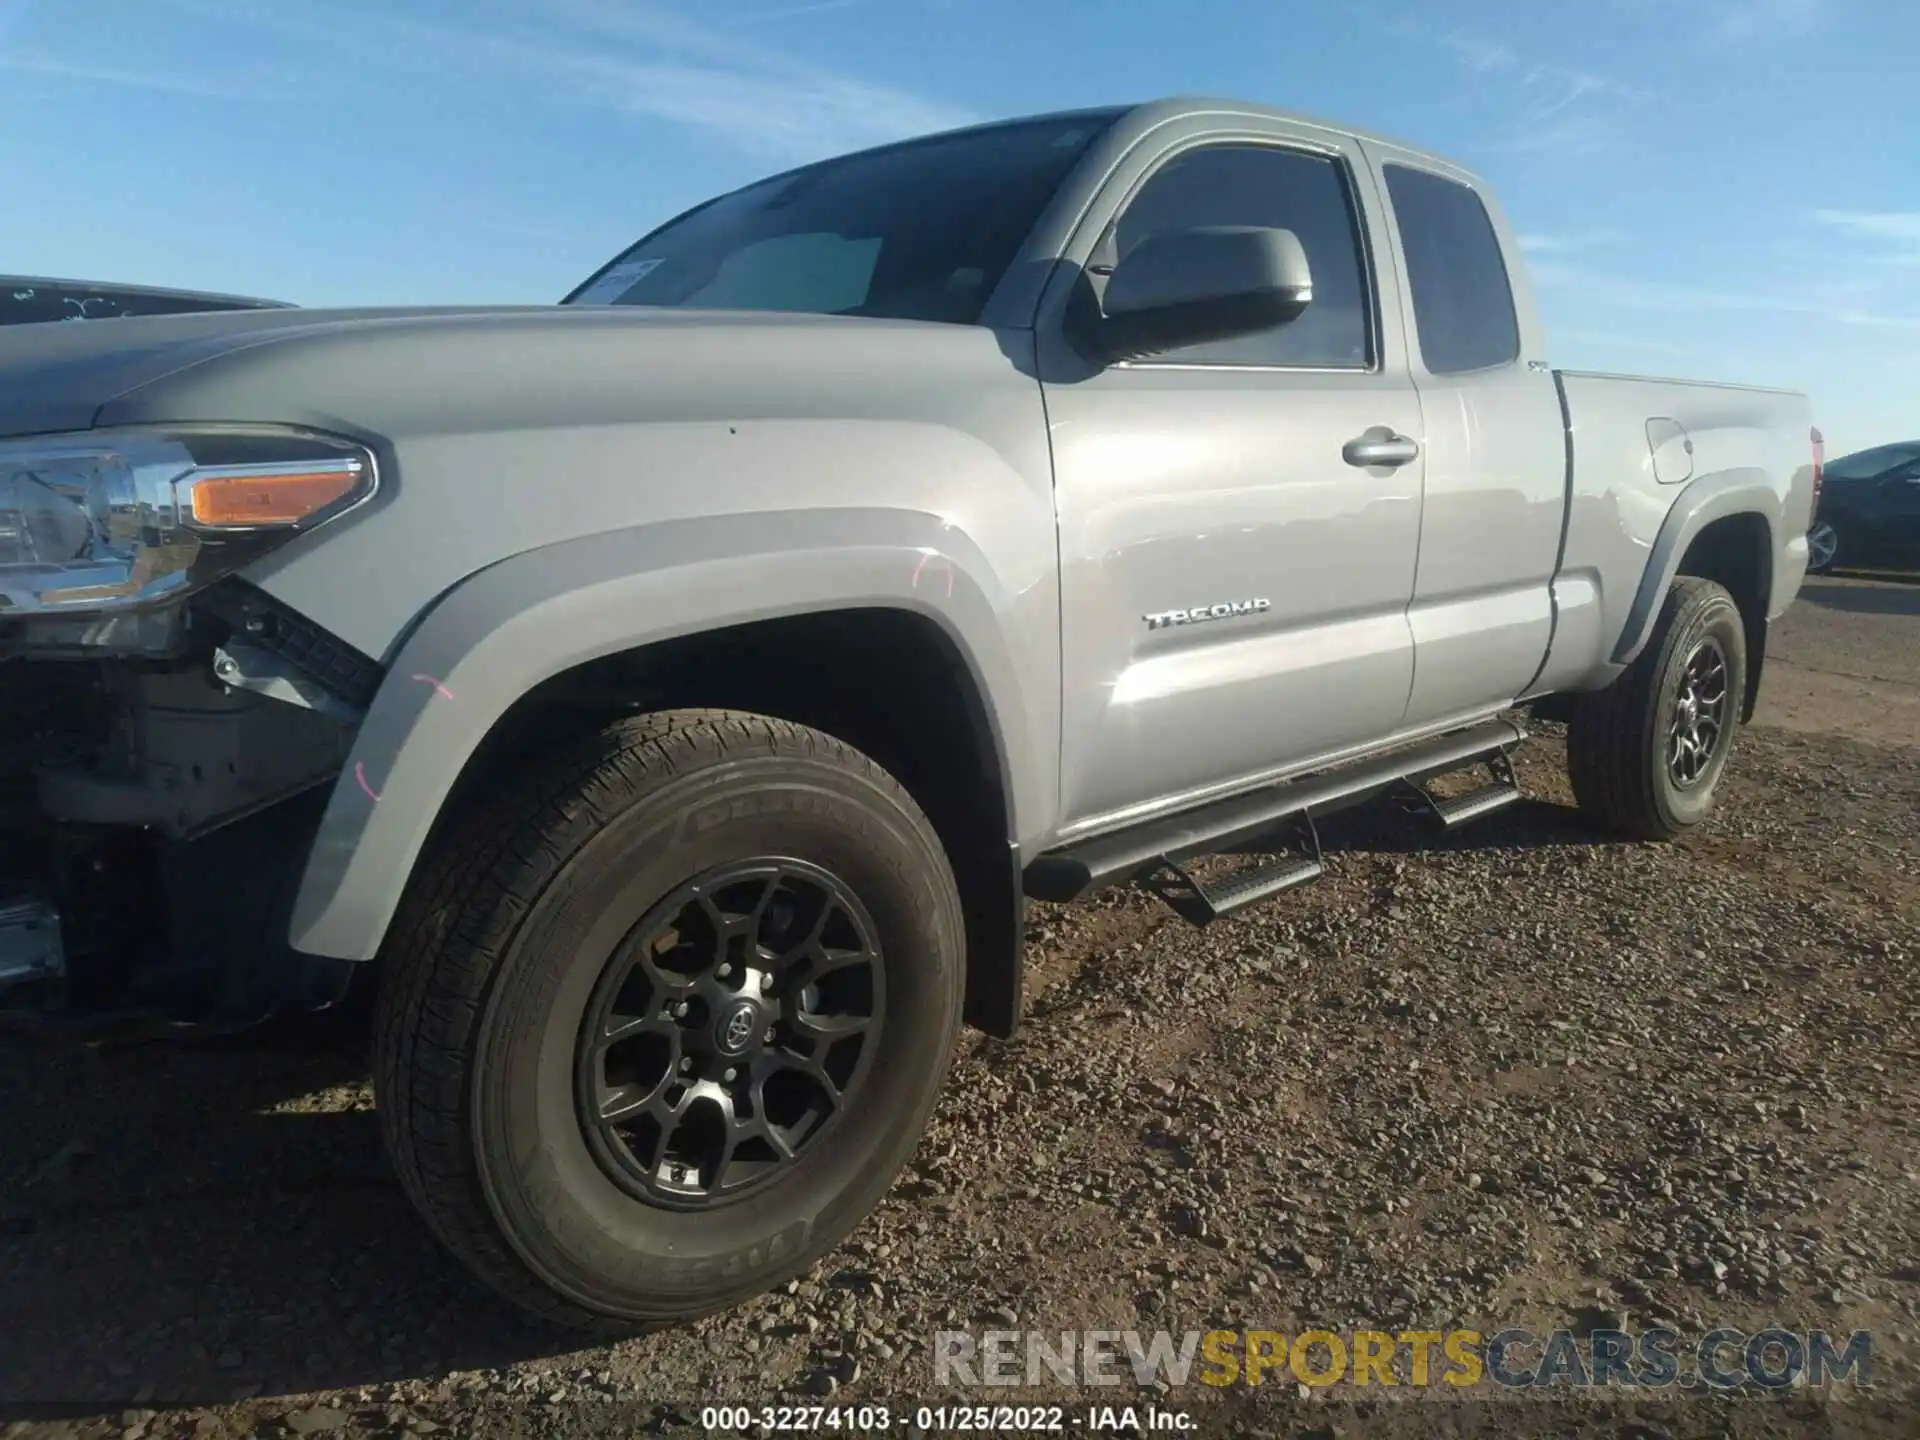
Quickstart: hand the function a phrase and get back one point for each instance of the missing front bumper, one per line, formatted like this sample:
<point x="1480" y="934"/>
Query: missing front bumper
<point x="137" y="929"/>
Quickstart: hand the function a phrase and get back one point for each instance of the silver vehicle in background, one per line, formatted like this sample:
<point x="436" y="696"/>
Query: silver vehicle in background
<point x="38" y="300"/>
<point x="672" y="697"/>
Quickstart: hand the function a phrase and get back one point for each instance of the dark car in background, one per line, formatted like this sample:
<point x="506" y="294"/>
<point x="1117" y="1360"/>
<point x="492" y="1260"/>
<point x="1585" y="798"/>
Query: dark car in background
<point x="1869" y="510"/>
<point x="33" y="300"/>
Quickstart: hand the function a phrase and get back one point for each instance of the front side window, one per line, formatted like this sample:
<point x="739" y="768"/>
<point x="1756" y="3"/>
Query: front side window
<point x="1280" y="189"/>
<point x="919" y="231"/>
<point x="1462" y="299"/>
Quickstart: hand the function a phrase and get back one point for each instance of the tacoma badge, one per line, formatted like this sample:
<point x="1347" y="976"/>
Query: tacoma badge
<point x="1224" y="611"/>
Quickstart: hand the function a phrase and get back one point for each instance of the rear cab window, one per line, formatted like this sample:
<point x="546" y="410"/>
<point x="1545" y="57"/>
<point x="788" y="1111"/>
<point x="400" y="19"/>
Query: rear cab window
<point x="1462" y="297"/>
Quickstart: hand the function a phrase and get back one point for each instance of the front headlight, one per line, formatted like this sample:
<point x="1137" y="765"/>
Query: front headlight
<point x="115" y="520"/>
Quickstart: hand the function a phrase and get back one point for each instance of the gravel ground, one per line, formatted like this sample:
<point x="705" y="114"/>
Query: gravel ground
<point x="1527" y="1078"/>
<point x="1847" y="659"/>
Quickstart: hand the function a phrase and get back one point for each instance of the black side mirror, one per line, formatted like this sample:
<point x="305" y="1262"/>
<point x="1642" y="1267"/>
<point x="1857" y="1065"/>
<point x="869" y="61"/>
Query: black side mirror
<point x="1186" y="287"/>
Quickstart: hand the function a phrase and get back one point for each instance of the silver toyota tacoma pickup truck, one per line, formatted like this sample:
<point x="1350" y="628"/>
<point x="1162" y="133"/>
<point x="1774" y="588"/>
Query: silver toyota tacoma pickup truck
<point x="669" y="699"/>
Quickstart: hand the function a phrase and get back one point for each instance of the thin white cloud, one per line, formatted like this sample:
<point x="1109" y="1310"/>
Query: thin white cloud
<point x="1568" y="137"/>
<point x="1877" y="320"/>
<point x="1559" y="85"/>
<point x="798" y="116"/>
<point x="1889" y="240"/>
<point x="162" y="81"/>
<point x="1849" y="292"/>
<point x="1626" y="291"/>
<point x="1767" y="21"/>
<point x="1898" y="225"/>
<point x="795" y="12"/>
<point x="1543" y="243"/>
<point x="629" y="59"/>
<point x="1482" y="56"/>
<point x="1670" y="297"/>
<point x="1553" y="109"/>
<point x="1624" y="341"/>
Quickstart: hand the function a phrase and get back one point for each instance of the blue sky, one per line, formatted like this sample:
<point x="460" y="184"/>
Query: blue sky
<point x="1721" y="188"/>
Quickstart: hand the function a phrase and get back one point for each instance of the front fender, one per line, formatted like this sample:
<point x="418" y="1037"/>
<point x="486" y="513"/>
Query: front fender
<point x="509" y="627"/>
<point x="1712" y="497"/>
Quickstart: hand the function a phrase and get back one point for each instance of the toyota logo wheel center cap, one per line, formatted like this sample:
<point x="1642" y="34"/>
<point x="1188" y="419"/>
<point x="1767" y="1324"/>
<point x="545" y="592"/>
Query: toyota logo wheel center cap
<point x="737" y="1027"/>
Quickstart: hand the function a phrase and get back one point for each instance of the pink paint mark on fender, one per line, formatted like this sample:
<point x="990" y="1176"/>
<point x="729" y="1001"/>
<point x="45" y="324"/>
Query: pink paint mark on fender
<point x="917" y="569"/>
<point x="360" y="774"/>
<point x="429" y="680"/>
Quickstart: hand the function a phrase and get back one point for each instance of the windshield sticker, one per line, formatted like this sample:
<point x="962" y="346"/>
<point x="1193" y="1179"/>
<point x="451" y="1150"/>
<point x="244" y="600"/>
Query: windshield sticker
<point x="618" y="280"/>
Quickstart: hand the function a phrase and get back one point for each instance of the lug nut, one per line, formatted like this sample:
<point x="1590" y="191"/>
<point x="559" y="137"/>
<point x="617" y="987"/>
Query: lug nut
<point x="767" y="1039"/>
<point x="730" y="1076"/>
<point x="680" y="1010"/>
<point x="724" y="971"/>
<point x="686" y="1063"/>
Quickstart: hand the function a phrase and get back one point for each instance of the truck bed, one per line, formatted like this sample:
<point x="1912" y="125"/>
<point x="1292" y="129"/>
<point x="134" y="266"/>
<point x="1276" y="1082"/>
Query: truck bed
<point x="1683" y="436"/>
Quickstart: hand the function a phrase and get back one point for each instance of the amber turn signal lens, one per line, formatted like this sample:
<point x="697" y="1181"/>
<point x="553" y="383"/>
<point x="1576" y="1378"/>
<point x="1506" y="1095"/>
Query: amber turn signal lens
<point x="280" y="496"/>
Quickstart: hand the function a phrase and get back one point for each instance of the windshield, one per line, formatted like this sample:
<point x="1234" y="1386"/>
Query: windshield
<point x="920" y="231"/>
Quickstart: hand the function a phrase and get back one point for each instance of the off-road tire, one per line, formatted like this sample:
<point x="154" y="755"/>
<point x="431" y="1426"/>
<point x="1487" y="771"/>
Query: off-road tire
<point x="486" y="967"/>
<point x="1617" y="738"/>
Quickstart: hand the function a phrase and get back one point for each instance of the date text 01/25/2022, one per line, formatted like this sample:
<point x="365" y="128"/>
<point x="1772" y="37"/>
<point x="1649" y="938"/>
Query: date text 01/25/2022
<point x="944" y="1419"/>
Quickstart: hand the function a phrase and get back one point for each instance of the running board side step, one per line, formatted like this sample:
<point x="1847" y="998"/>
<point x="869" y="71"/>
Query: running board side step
<point x="1065" y="874"/>
<point x="1198" y="902"/>
<point x="1498" y="793"/>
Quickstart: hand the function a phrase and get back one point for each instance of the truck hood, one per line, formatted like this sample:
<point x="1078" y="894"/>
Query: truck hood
<point x="59" y="377"/>
<point x="373" y="370"/>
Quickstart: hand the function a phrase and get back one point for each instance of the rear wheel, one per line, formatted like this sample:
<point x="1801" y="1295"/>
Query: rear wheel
<point x="1646" y="754"/>
<point x="662" y="1021"/>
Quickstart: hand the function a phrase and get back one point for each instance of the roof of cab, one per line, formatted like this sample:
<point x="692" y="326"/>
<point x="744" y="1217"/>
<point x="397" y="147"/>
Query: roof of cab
<point x="1175" y="107"/>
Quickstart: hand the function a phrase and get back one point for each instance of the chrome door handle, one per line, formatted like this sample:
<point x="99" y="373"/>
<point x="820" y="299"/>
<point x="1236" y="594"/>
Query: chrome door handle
<point x="1380" y="446"/>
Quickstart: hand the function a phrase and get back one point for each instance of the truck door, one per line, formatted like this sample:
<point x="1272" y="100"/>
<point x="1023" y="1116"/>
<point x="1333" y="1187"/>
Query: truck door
<point x="1902" y="506"/>
<point x="1496" y="472"/>
<point x="1238" y="521"/>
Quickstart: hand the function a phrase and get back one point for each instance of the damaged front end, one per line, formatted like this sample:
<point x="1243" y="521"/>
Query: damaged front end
<point x="168" y="732"/>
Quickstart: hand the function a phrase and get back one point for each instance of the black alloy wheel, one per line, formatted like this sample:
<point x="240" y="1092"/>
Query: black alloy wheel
<point x="1701" y="715"/>
<point x="729" y="1030"/>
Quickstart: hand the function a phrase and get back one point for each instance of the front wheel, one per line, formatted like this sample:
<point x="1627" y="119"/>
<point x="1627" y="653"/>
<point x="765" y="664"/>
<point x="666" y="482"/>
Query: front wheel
<point x="662" y="1020"/>
<point x="1823" y="546"/>
<point x="1646" y="754"/>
